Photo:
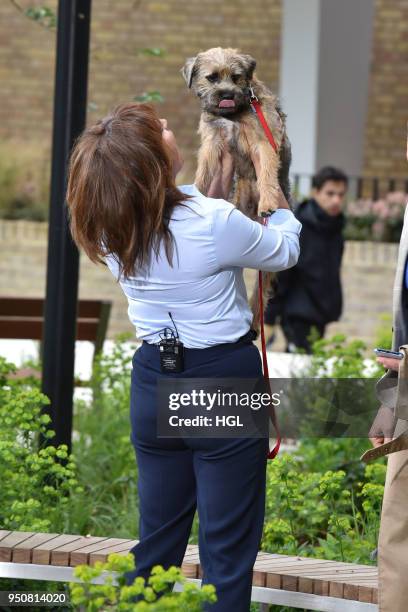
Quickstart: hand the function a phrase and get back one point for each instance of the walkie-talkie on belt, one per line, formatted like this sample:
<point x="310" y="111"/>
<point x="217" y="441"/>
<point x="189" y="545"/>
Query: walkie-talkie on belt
<point x="171" y="350"/>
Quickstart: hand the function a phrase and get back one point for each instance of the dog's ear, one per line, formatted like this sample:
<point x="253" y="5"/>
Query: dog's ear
<point x="249" y="64"/>
<point x="189" y="69"/>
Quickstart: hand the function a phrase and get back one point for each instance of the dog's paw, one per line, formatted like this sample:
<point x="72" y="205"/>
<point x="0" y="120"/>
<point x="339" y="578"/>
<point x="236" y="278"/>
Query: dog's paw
<point x="267" y="206"/>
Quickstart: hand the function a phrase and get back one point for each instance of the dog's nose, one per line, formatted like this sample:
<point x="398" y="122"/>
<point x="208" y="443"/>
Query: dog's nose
<point x="226" y="95"/>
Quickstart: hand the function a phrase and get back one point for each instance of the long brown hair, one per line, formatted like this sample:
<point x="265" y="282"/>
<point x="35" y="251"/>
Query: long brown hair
<point x="121" y="189"/>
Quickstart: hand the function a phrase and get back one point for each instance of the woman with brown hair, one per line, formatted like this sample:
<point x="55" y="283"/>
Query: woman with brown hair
<point x="179" y="257"/>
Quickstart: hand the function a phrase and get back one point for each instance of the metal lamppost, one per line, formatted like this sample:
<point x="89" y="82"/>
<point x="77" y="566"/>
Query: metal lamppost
<point x="71" y="78"/>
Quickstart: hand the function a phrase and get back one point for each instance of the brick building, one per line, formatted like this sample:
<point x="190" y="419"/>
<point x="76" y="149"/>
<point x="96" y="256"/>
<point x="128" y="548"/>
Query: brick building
<point x="118" y="72"/>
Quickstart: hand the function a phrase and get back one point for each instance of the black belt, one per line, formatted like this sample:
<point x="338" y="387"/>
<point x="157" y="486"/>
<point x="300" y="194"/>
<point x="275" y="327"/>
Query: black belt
<point x="249" y="336"/>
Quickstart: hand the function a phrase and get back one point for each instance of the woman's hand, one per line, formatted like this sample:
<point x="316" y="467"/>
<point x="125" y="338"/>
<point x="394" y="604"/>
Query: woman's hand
<point x="221" y="182"/>
<point x="390" y="363"/>
<point x="382" y="429"/>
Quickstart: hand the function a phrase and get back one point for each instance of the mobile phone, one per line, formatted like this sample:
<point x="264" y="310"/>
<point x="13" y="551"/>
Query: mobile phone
<point x="380" y="352"/>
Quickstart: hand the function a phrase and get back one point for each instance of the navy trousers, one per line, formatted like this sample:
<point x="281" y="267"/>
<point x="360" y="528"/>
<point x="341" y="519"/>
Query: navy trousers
<point x="224" y="479"/>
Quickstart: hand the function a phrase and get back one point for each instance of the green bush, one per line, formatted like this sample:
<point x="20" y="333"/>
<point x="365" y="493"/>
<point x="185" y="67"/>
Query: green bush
<point x="322" y="500"/>
<point x="319" y="513"/>
<point x="93" y="597"/>
<point x="336" y="358"/>
<point x="36" y="479"/>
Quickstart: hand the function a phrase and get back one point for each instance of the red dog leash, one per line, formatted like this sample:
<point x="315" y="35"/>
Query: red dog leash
<point x="256" y="107"/>
<point x="271" y="454"/>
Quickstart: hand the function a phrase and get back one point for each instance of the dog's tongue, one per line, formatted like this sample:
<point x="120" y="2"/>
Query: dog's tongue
<point x="226" y="104"/>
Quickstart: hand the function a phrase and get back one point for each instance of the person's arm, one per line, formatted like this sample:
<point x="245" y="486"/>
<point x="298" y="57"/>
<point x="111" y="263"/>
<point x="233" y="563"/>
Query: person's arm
<point x="242" y="242"/>
<point x="220" y="186"/>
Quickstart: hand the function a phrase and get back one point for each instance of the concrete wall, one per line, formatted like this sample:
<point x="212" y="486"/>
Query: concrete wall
<point x="368" y="274"/>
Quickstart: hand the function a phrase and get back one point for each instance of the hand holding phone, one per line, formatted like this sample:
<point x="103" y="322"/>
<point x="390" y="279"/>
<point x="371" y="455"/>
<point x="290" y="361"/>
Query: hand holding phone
<point x="380" y="352"/>
<point x="391" y="360"/>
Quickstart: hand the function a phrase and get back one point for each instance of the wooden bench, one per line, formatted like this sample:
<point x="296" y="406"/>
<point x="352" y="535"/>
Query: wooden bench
<point x="23" y="319"/>
<point x="300" y="582"/>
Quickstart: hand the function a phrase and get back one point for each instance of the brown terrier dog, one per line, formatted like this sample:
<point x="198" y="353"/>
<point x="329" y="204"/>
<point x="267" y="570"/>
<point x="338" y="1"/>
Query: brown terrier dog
<point x="223" y="80"/>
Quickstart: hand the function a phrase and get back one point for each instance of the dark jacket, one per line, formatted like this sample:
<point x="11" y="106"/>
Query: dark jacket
<point x="311" y="290"/>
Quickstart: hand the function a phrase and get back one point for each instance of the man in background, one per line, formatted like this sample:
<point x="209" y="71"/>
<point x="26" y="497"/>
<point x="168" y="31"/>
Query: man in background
<point x="309" y="295"/>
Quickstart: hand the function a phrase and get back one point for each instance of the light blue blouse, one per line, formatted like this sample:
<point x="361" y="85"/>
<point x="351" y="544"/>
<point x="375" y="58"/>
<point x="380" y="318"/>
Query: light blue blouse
<point x="205" y="290"/>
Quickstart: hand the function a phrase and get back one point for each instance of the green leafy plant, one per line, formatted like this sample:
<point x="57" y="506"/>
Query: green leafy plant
<point x="154" y="594"/>
<point x="43" y="14"/>
<point x="34" y="477"/>
<point x="322" y="500"/>
<point x="334" y="357"/>
<point x="321" y="513"/>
